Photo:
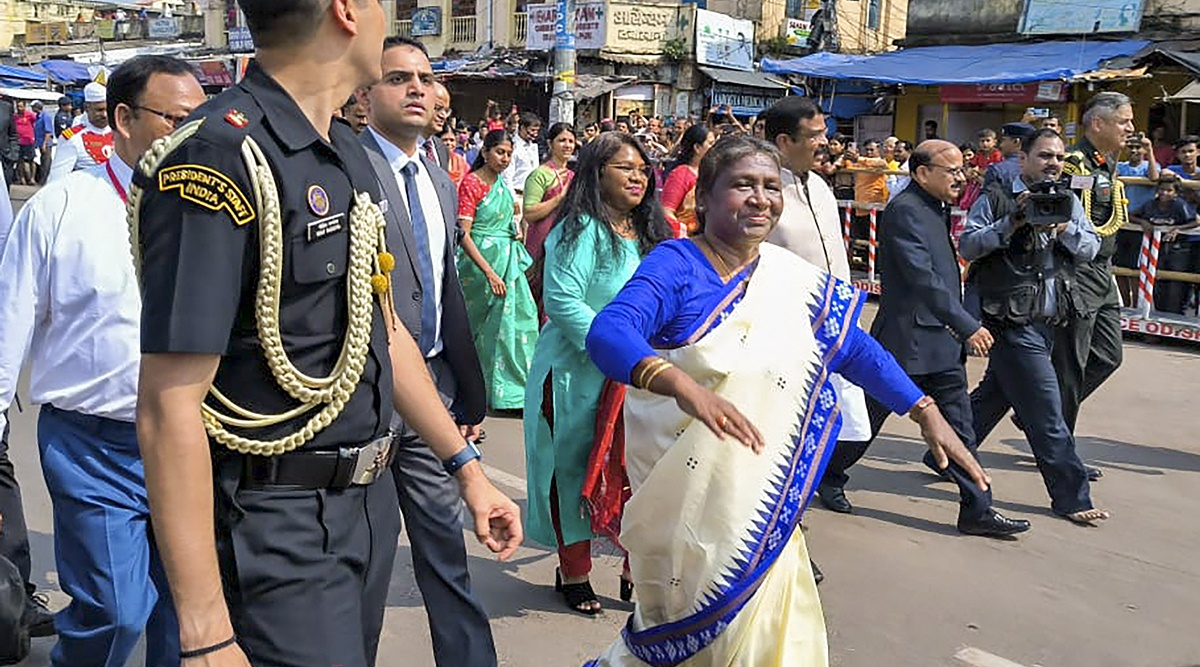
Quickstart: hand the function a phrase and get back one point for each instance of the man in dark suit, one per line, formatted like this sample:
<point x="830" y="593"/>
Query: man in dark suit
<point x="430" y="142"/>
<point x="422" y="234"/>
<point x="922" y="322"/>
<point x="8" y="141"/>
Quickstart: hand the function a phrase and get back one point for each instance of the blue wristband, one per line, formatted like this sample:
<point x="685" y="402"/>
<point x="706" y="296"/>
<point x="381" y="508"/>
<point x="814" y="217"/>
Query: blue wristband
<point x="469" y="453"/>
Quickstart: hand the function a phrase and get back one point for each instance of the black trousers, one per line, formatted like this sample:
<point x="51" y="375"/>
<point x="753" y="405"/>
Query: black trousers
<point x="306" y="572"/>
<point x="14" y="538"/>
<point x="949" y="390"/>
<point x="1171" y="296"/>
<point x="1086" y="353"/>
<point x="433" y="517"/>
<point x="1020" y="375"/>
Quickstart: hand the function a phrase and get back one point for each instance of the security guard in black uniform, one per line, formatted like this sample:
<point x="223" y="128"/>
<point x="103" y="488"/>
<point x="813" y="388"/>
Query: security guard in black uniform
<point x="1088" y="350"/>
<point x="273" y="358"/>
<point x="1023" y="273"/>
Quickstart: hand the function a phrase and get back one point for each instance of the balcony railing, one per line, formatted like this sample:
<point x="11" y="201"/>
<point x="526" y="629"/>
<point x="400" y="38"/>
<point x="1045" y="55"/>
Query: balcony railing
<point x="462" y="30"/>
<point x="404" y="28"/>
<point x="520" y="29"/>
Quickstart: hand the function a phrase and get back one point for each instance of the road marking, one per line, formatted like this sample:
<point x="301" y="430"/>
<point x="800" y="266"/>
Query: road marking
<point x="977" y="658"/>
<point x="511" y="481"/>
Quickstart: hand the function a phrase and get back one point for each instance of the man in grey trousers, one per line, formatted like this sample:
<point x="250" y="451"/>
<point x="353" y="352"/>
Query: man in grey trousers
<point x="422" y="234"/>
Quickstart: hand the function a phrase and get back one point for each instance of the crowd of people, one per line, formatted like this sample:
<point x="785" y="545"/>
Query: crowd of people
<point x="317" y="314"/>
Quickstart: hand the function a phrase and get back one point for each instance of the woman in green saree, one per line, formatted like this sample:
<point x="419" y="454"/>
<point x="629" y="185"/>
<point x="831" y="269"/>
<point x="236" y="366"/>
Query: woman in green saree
<point x="491" y="266"/>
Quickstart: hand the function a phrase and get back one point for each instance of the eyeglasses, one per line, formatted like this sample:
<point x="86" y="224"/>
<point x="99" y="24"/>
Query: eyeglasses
<point x="953" y="171"/>
<point x="629" y="170"/>
<point x="174" y="121"/>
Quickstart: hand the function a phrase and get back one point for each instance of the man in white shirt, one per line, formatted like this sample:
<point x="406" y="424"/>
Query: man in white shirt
<point x="69" y="305"/>
<point x="810" y="227"/>
<point x="525" y="154"/>
<point x="421" y="231"/>
<point x="87" y="143"/>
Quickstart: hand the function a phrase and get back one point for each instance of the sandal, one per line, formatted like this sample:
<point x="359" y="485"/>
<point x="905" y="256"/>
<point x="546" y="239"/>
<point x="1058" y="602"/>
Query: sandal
<point x="579" y="597"/>
<point x="626" y="589"/>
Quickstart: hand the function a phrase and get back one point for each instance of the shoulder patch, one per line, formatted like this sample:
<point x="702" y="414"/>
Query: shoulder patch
<point x="237" y="119"/>
<point x="72" y="131"/>
<point x="207" y="187"/>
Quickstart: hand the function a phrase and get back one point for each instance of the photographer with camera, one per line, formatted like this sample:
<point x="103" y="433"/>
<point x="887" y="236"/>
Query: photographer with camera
<point x="1023" y="243"/>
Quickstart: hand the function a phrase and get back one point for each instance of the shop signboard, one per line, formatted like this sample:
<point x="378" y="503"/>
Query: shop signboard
<point x="743" y="100"/>
<point x="163" y="28"/>
<point x="796" y="32"/>
<point x="639" y="28"/>
<point x="541" y="23"/>
<point x="1004" y="93"/>
<point x="1049" y="17"/>
<point x="427" y="22"/>
<point x="723" y="41"/>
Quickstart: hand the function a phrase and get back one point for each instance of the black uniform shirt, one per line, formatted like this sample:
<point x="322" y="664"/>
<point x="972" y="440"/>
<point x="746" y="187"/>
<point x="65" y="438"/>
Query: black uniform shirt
<point x="1095" y="277"/>
<point x="199" y="230"/>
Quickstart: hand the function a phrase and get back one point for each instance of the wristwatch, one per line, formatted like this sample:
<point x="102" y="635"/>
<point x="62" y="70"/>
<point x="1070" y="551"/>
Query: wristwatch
<point x="469" y="453"/>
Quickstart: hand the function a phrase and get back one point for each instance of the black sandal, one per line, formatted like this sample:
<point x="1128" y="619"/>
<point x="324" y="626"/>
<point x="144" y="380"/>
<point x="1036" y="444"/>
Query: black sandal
<point x="577" y="595"/>
<point x="626" y="590"/>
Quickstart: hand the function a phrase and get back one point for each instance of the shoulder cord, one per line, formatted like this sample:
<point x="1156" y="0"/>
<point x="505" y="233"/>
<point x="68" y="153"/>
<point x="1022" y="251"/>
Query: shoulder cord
<point x="367" y="272"/>
<point x="1120" y="204"/>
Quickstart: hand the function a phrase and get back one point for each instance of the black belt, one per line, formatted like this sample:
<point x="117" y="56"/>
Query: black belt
<point x="348" y="466"/>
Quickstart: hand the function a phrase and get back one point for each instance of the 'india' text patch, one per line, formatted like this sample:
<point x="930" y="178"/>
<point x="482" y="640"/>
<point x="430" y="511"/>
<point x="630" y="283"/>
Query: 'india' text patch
<point x="208" y="188"/>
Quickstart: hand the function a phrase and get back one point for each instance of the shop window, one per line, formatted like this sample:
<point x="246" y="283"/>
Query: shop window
<point x="462" y="8"/>
<point x="405" y="9"/>
<point x="794" y="9"/>
<point x="873" y="14"/>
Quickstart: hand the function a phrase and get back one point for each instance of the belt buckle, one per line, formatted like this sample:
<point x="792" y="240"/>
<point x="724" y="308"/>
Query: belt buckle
<point x="370" y="460"/>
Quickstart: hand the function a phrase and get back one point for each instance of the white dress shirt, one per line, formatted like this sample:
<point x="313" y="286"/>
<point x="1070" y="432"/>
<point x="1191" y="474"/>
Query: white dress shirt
<point x="69" y="300"/>
<point x="524" y="161"/>
<point x="431" y="206"/>
<point x="70" y="154"/>
<point x="6" y="216"/>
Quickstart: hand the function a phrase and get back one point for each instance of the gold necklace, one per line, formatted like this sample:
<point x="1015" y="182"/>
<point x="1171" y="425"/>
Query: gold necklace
<point x="723" y="270"/>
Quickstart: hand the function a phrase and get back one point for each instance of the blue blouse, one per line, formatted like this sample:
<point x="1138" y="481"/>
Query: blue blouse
<point x="672" y="294"/>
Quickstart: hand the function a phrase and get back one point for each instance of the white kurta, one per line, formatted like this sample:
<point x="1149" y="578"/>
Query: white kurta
<point x="69" y="300"/>
<point x="810" y="227"/>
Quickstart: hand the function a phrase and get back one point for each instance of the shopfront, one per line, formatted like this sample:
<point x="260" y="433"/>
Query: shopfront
<point x="746" y="93"/>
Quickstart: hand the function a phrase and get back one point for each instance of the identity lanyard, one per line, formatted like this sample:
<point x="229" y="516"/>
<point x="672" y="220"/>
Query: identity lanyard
<point x="116" y="183"/>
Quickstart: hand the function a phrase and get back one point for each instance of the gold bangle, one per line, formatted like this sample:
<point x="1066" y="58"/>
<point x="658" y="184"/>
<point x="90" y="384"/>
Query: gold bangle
<point x="639" y="379"/>
<point x="662" y="368"/>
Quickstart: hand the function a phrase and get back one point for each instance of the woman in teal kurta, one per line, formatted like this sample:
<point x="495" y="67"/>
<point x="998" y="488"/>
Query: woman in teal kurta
<point x="491" y="266"/>
<point x="610" y="218"/>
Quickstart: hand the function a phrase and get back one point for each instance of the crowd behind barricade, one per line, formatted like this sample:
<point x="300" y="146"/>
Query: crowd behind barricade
<point x="666" y="305"/>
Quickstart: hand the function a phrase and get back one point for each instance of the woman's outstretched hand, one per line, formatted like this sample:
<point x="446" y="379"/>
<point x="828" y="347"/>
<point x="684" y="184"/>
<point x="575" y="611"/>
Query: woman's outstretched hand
<point x="721" y="417"/>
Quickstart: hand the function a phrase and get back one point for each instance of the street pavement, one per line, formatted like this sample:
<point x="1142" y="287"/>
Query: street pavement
<point x="902" y="588"/>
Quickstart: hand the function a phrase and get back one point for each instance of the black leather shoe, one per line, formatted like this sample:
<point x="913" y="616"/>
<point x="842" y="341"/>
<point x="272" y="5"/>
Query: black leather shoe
<point x="993" y="524"/>
<point x="1094" y="474"/>
<point x="834" y="499"/>
<point x="818" y="575"/>
<point x="36" y="618"/>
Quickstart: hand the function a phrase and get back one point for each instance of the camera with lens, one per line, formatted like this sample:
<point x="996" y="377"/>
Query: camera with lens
<point x="1050" y="203"/>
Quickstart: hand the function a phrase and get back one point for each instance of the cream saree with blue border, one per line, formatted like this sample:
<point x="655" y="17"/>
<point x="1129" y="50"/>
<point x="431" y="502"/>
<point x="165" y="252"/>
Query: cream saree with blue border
<point x="720" y="569"/>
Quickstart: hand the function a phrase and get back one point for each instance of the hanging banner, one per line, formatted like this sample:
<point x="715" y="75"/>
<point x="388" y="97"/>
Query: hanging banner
<point x="723" y="41"/>
<point x="162" y="28"/>
<point x="1003" y="93"/>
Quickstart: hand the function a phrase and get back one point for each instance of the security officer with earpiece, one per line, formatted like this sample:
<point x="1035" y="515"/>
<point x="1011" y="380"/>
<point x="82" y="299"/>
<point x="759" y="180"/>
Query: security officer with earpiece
<point x="1023" y="270"/>
<point x="273" y="359"/>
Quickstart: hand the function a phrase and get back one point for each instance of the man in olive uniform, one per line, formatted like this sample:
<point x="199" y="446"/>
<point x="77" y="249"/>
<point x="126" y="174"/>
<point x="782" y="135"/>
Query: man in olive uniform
<point x="273" y="359"/>
<point x="1088" y="350"/>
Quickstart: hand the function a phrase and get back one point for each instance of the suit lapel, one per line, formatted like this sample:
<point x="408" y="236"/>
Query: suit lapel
<point x="399" y="225"/>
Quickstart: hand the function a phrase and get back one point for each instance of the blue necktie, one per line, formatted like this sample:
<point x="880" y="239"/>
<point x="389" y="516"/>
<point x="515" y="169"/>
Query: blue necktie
<point x="424" y="259"/>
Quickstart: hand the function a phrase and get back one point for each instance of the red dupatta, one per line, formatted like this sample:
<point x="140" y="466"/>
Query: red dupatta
<point x="606" y="486"/>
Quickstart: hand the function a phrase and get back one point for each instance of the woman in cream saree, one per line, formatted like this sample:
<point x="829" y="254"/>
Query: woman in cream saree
<point x="721" y="357"/>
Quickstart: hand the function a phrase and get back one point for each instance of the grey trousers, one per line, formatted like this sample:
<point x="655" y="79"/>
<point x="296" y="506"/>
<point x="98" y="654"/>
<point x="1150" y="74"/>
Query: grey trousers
<point x="432" y="511"/>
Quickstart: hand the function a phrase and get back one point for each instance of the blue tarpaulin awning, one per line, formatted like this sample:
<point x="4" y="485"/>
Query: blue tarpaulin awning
<point x="66" y="71"/>
<point x="14" y="73"/>
<point x="937" y="65"/>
